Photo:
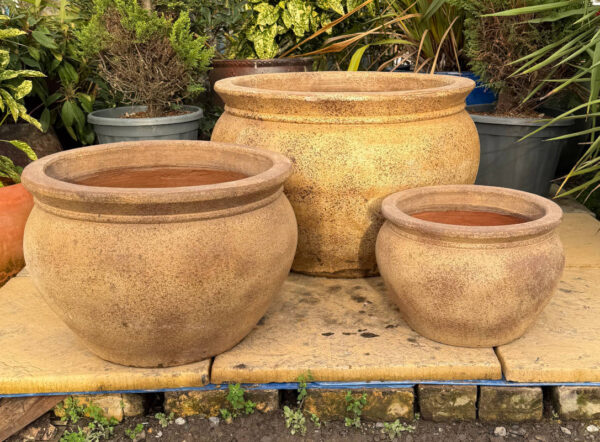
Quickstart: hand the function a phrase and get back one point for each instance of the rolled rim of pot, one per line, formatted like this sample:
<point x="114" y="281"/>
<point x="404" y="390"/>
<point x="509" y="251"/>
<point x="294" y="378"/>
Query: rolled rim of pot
<point x="327" y="97"/>
<point x="511" y="121"/>
<point x="113" y="117"/>
<point x="542" y="215"/>
<point x="53" y="181"/>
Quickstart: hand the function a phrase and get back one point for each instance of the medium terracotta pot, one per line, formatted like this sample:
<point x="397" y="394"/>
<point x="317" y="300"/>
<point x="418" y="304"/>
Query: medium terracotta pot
<point x="159" y="276"/>
<point x="15" y="205"/>
<point x="477" y="285"/>
<point x="354" y="138"/>
<point x="234" y="68"/>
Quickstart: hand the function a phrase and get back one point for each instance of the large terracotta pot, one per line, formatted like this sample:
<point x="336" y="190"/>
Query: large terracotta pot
<point x="234" y="68"/>
<point x="15" y="205"/>
<point x="354" y="138"/>
<point x="164" y="275"/>
<point x="470" y="265"/>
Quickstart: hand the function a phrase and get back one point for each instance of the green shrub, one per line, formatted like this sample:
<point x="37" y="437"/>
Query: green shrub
<point x="146" y="57"/>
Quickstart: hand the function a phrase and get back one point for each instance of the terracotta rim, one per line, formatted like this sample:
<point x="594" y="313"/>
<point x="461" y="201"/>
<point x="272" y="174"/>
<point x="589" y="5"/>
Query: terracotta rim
<point x="352" y="96"/>
<point x="544" y="215"/>
<point x="48" y="178"/>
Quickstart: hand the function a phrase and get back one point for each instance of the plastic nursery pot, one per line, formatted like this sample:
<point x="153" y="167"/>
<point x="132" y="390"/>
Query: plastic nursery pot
<point x="176" y="263"/>
<point x="470" y="265"/>
<point x="527" y="165"/>
<point x="110" y="127"/>
<point x="15" y="205"/>
<point x="354" y="137"/>
<point x="235" y="68"/>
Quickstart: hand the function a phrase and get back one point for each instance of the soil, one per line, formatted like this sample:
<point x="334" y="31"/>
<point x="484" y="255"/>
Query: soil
<point x="469" y="218"/>
<point x="159" y="177"/>
<point x="271" y="428"/>
<point x="171" y="113"/>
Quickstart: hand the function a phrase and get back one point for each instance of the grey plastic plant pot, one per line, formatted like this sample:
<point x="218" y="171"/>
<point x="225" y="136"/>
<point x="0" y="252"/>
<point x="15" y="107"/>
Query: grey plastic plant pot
<point x="110" y="128"/>
<point x="527" y="165"/>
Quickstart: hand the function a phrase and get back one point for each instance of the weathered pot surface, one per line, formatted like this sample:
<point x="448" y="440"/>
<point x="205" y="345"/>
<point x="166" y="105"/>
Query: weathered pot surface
<point x="147" y="269"/>
<point x="15" y="205"/>
<point x="468" y="265"/>
<point x="354" y="138"/>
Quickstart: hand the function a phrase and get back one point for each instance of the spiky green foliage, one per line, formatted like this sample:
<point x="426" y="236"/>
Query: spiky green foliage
<point x="492" y="43"/>
<point x="147" y="57"/>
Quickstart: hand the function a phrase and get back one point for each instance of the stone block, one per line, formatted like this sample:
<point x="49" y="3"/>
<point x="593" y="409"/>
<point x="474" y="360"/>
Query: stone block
<point x="577" y="403"/>
<point x="209" y="403"/>
<point x="383" y="405"/>
<point x="113" y="405"/>
<point x="510" y="404"/>
<point x="444" y="403"/>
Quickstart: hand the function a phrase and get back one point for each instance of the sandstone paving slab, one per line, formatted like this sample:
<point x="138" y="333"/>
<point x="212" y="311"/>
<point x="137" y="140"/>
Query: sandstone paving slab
<point x="580" y="235"/>
<point x="564" y="344"/>
<point x="344" y="330"/>
<point x="39" y="354"/>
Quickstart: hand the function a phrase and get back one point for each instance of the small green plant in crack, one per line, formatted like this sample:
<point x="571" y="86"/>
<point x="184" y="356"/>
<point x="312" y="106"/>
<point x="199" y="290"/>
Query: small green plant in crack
<point x="71" y="410"/>
<point x="237" y="404"/>
<point x="100" y="427"/>
<point x="315" y="420"/>
<point x="134" y="432"/>
<point x="355" y="407"/>
<point x="165" y="420"/>
<point x="396" y="428"/>
<point x="294" y="420"/>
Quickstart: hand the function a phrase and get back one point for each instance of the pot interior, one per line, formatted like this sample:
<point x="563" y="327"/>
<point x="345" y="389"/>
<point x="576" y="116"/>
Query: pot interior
<point x="469" y="218"/>
<point x="158" y="177"/>
<point x="473" y="206"/>
<point x="157" y="165"/>
<point x="341" y="82"/>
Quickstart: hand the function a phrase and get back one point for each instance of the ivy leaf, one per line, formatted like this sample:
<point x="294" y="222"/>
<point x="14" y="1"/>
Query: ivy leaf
<point x="44" y="39"/>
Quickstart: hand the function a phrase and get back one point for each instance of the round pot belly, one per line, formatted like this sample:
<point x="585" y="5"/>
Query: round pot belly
<point x="167" y="283"/>
<point x="15" y="205"/>
<point x="350" y="151"/>
<point x="474" y="285"/>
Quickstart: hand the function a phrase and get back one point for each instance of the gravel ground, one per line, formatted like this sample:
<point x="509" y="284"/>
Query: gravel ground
<point x="271" y="428"/>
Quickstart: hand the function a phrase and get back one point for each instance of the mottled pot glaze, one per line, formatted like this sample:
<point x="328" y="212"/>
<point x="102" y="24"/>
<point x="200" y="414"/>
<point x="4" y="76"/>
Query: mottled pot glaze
<point x="354" y="138"/>
<point x="15" y="205"/>
<point x="472" y="286"/>
<point x="155" y="277"/>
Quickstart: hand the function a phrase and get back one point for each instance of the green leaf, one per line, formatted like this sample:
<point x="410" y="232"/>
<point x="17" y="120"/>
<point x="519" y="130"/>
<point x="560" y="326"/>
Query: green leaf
<point x="25" y="148"/>
<point x="85" y="101"/>
<point x="67" y="114"/>
<point x="334" y="5"/>
<point x="45" y="119"/>
<point x="35" y="54"/>
<point x="23" y="89"/>
<point x="10" y="33"/>
<point x="44" y="39"/>
<point x="52" y="98"/>
<point x="530" y="9"/>
<point x="67" y="73"/>
<point x="11" y="103"/>
<point x="4" y="58"/>
<point x="267" y="14"/>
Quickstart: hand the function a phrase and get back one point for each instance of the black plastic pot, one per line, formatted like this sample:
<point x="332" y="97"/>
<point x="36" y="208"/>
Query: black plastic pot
<point x="527" y="165"/>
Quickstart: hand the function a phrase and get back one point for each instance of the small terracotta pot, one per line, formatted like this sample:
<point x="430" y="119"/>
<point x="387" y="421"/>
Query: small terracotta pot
<point x="472" y="286"/>
<point x="155" y="277"/>
<point x="15" y="205"/>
